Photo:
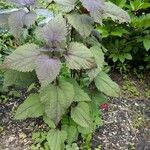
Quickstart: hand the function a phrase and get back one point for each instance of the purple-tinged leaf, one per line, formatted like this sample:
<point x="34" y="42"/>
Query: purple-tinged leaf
<point x="4" y="15"/>
<point x="47" y="69"/>
<point x="54" y="31"/>
<point x="95" y="7"/>
<point x="29" y="18"/>
<point x="66" y="5"/>
<point x="23" y="58"/>
<point x="82" y="23"/>
<point x="22" y="2"/>
<point x="16" y="23"/>
<point x="115" y="13"/>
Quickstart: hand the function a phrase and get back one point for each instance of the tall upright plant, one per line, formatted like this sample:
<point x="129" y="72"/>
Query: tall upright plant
<point x="68" y="41"/>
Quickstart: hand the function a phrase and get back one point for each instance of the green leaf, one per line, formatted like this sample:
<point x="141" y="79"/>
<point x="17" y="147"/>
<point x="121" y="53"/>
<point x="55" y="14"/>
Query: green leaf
<point x="128" y="56"/>
<point x="82" y="23"/>
<point x="98" y="98"/>
<point x="21" y="79"/>
<point x="79" y="57"/>
<point x="81" y="114"/>
<point x="146" y="43"/>
<point x="49" y="122"/>
<point x="74" y="146"/>
<point x="98" y="55"/>
<point x="56" y="139"/>
<point x="119" y="32"/>
<point x="72" y="133"/>
<point x="31" y="108"/>
<point x="80" y="94"/>
<point x="57" y="99"/>
<point x="115" y="13"/>
<point x="23" y="58"/>
<point x="93" y="73"/>
<point x="104" y="84"/>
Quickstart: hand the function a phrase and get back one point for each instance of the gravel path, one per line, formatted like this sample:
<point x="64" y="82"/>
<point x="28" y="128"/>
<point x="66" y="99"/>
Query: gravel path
<point x="126" y="127"/>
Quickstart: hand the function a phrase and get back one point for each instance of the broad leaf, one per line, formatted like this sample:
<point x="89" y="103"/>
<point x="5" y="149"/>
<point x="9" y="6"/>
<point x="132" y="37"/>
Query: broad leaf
<point x="80" y="95"/>
<point x="146" y="42"/>
<point x="31" y="108"/>
<point x="98" y="55"/>
<point x="81" y="114"/>
<point x="72" y="133"/>
<point x="79" y="57"/>
<point x="21" y="79"/>
<point x="95" y="7"/>
<point x="29" y="18"/>
<point x="56" y="139"/>
<point x="54" y="31"/>
<point x="115" y="13"/>
<point x="66" y="5"/>
<point x="16" y="23"/>
<point x="22" y="2"/>
<point x="93" y="73"/>
<point x="4" y="15"/>
<point x="57" y="99"/>
<point x="104" y="84"/>
<point x="49" y="122"/>
<point x="82" y="23"/>
<point x="23" y="58"/>
<point x="47" y="69"/>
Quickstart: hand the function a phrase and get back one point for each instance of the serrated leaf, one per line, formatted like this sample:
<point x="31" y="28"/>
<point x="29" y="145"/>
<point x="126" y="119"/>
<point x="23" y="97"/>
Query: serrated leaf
<point x="15" y="22"/>
<point x="47" y="69"/>
<point x="82" y="23"/>
<point x="56" y="139"/>
<point x="98" y="55"/>
<point x="93" y="73"/>
<point x="57" y="99"/>
<point x="54" y="31"/>
<point x="31" y="108"/>
<point x="79" y="57"/>
<point x="29" y="18"/>
<point x="22" y="2"/>
<point x="21" y="79"/>
<point x="80" y="94"/>
<point x="4" y="15"/>
<point x="72" y="133"/>
<point x="104" y="84"/>
<point x="81" y="114"/>
<point x="95" y="7"/>
<point x="115" y="13"/>
<point x="66" y="5"/>
<point x="23" y="58"/>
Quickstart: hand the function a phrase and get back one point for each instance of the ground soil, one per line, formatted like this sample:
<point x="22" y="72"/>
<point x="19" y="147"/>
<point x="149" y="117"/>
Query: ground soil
<point x="126" y="123"/>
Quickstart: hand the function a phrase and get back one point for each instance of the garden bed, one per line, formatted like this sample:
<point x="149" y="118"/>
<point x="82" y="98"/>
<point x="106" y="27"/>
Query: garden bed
<point x="126" y="123"/>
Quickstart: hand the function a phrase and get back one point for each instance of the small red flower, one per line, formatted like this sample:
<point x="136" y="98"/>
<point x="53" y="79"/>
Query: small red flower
<point x="104" y="107"/>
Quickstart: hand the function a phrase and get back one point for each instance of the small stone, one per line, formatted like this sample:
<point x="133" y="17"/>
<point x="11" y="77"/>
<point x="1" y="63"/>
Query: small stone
<point x="22" y="135"/>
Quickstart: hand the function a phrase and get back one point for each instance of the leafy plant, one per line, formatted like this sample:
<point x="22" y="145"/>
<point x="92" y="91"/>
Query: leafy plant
<point x="126" y="42"/>
<point x="67" y="42"/>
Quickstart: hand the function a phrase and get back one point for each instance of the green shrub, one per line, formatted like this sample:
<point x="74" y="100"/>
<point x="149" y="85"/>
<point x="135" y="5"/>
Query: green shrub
<point x="128" y="44"/>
